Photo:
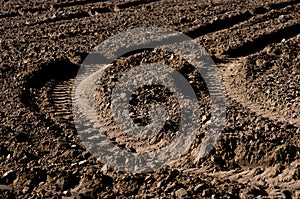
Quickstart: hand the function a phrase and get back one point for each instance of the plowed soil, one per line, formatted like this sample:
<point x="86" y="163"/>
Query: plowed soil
<point x="255" y="45"/>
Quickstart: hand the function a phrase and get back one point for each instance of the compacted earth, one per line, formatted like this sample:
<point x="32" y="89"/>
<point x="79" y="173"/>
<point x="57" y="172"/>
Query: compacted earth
<point x="255" y="46"/>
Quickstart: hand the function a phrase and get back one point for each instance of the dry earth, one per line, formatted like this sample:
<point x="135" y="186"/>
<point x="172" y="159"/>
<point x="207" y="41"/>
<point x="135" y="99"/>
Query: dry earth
<point x="255" y="45"/>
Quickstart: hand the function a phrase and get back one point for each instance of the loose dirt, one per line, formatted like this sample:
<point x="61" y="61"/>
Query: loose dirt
<point x="255" y="45"/>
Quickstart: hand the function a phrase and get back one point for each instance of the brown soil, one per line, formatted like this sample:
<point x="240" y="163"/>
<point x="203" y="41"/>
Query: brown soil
<point x="255" y="45"/>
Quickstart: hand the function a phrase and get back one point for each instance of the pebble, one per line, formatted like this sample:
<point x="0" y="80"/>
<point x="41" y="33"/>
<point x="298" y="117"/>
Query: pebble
<point x="180" y="193"/>
<point x="7" y="173"/>
<point x="159" y="184"/>
<point x="296" y="163"/>
<point x="104" y="169"/>
<point x="67" y="193"/>
<point x="82" y="162"/>
<point x="25" y="190"/>
<point x="198" y="187"/>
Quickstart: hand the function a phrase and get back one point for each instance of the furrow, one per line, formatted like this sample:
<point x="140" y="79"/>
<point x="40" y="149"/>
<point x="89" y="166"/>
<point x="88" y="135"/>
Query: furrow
<point x="76" y="3"/>
<point x="234" y="19"/>
<point x="208" y="24"/>
<point x="69" y="13"/>
<point x="265" y="29"/>
<point x="132" y="4"/>
<point x="7" y="15"/>
<point x="260" y="42"/>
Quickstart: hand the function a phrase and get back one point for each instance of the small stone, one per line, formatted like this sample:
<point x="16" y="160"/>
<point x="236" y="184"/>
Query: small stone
<point x="159" y="184"/>
<point x="204" y="118"/>
<point x="260" y="63"/>
<point x="198" y="187"/>
<point x="92" y="168"/>
<point x="296" y="163"/>
<point x="82" y="162"/>
<point x="67" y="193"/>
<point x="7" y="173"/>
<point x="104" y="169"/>
<point x="180" y="193"/>
<point x="25" y="190"/>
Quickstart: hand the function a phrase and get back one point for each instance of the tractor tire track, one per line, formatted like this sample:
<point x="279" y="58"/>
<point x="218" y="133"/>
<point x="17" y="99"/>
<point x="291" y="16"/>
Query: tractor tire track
<point x="234" y="77"/>
<point x="59" y="94"/>
<point x="232" y="35"/>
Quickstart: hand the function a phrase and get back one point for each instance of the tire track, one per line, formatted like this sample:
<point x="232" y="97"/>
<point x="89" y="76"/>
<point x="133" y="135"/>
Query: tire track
<point x="61" y="101"/>
<point x="281" y="180"/>
<point x="49" y="92"/>
<point x="234" y="76"/>
<point x="278" y="182"/>
<point x="63" y="112"/>
<point x="59" y="95"/>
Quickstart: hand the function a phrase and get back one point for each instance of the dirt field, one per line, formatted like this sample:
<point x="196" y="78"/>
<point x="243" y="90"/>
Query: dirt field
<point x="255" y="45"/>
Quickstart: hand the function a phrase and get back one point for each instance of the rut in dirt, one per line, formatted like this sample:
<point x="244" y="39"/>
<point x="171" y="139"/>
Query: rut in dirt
<point x="60" y="80"/>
